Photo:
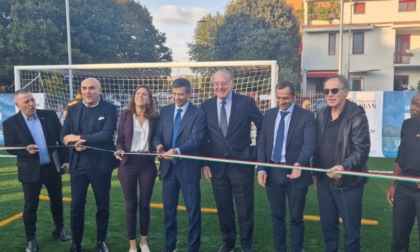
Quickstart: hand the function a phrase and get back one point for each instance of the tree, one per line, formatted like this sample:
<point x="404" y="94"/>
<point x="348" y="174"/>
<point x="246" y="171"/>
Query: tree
<point x="203" y="48"/>
<point x="102" y="31"/>
<point x="254" y="30"/>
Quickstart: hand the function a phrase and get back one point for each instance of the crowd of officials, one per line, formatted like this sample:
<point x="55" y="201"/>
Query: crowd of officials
<point x="287" y="135"/>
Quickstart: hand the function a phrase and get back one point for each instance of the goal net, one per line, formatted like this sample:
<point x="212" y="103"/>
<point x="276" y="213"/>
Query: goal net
<point x="59" y="83"/>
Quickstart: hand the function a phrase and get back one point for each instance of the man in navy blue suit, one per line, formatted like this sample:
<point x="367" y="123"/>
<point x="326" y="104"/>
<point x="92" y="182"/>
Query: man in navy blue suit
<point x="91" y="122"/>
<point x="287" y="137"/>
<point x="229" y="117"/>
<point x="180" y="130"/>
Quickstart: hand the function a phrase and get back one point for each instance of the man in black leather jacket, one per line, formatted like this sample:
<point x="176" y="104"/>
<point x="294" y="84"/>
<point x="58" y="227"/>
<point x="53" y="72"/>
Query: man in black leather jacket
<point x="343" y="143"/>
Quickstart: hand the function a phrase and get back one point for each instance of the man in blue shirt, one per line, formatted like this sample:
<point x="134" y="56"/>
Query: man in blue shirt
<point x="37" y="130"/>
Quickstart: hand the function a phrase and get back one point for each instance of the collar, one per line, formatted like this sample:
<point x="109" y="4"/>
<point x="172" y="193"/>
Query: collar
<point x="29" y="119"/>
<point x="227" y="100"/>
<point x="93" y="105"/>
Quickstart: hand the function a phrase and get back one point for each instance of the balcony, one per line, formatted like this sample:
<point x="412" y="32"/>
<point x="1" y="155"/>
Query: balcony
<point x="402" y="57"/>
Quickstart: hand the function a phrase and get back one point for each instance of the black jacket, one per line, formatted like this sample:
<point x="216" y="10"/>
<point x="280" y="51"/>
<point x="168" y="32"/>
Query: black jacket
<point x="353" y="143"/>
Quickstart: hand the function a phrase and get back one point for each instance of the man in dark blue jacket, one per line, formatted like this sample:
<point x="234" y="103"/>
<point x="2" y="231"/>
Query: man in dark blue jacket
<point x="91" y="122"/>
<point x="180" y="130"/>
<point x="287" y="137"/>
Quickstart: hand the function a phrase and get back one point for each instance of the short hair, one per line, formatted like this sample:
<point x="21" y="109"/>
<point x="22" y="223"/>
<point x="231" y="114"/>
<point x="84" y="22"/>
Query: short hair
<point x="285" y="84"/>
<point x="229" y="73"/>
<point x="182" y="82"/>
<point x="21" y="91"/>
<point x="343" y="81"/>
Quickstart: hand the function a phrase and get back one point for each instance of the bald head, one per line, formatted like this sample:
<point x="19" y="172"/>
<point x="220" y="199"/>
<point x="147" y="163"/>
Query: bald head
<point x="91" y="91"/>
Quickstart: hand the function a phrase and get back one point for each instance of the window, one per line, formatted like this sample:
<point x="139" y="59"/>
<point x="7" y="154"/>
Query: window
<point x="359" y="8"/>
<point x="331" y="44"/>
<point x="357" y="84"/>
<point x="358" y="42"/>
<point x="407" y="5"/>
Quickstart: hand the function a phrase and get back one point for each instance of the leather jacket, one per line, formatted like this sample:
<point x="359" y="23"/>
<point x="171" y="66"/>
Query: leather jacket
<point x="352" y="147"/>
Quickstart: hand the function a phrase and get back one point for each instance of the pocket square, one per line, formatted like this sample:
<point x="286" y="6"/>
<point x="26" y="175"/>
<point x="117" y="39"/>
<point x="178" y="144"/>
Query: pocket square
<point x="101" y="118"/>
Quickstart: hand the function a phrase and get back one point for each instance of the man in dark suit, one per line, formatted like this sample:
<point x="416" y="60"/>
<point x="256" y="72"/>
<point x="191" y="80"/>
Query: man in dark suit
<point x="39" y="131"/>
<point x="229" y="117"/>
<point x="287" y="137"/>
<point x="91" y="122"/>
<point x="180" y="130"/>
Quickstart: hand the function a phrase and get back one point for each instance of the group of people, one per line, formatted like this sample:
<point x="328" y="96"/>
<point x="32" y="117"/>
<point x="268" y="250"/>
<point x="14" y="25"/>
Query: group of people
<point x="287" y="135"/>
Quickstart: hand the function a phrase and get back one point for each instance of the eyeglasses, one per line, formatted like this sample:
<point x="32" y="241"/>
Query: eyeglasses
<point x="326" y="91"/>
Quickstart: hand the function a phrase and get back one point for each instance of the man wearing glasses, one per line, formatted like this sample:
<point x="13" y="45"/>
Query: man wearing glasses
<point x="343" y="143"/>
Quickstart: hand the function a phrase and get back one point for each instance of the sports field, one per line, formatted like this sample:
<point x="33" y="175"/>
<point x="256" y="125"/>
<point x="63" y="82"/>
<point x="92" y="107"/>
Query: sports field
<point x="375" y="237"/>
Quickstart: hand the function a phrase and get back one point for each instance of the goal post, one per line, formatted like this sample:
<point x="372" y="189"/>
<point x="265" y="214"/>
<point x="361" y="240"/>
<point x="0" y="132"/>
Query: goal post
<point x="59" y="83"/>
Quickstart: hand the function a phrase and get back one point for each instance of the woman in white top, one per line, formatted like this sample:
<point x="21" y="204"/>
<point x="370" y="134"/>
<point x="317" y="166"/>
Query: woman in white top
<point x="136" y="129"/>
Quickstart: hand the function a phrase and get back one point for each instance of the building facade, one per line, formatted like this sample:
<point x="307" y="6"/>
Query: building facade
<point x="380" y="45"/>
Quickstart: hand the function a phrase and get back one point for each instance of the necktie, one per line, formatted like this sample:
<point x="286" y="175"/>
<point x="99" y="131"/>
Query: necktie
<point x="278" y="147"/>
<point x="175" y="128"/>
<point x="223" y="124"/>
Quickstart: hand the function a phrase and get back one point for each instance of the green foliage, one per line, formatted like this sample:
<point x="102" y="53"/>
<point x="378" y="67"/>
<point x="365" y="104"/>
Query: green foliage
<point x="102" y="31"/>
<point x="250" y="30"/>
<point x="418" y="85"/>
<point x="326" y="11"/>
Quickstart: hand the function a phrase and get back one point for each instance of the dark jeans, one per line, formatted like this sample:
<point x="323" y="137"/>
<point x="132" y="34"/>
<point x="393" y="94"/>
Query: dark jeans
<point x="101" y="185"/>
<point x="52" y="181"/>
<point x="296" y="199"/>
<point x="237" y="184"/>
<point x="139" y="170"/>
<point x="346" y="204"/>
<point x="406" y="209"/>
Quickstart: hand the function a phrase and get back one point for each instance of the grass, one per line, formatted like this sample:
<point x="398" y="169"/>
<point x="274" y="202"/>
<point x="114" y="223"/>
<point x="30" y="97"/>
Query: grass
<point x="12" y="236"/>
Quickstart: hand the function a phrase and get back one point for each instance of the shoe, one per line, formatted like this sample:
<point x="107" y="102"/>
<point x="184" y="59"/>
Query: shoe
<point x="132" y="250"/>
<point x="144" y="248"/>
<point x="75" y="248"/>
<point x="224" y="249"/>
<point x="60" y="234"/>
<point x="31" y="246"/>
<point x="102" y="247"/>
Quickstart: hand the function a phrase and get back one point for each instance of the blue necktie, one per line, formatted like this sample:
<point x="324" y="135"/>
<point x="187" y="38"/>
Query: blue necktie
<point x="175" y="128"/>
<point x="223" y="119"/>
<point x="278" y="147"/>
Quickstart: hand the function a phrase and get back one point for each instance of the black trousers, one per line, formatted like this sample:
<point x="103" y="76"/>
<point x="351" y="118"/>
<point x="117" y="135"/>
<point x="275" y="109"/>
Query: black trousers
<point x="237" y="184"/>
<point x="101" y="185"/>
<point x="406" y="209"/>
<point x="52" y="181"/>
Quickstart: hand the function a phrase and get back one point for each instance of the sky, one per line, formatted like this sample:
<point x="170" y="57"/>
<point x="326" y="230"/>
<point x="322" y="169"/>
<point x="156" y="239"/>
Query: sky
<point x="178" y="19"/>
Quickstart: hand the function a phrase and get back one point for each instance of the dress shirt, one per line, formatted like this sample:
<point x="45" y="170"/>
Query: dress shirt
<point x="286" y="130"/>
<point x="140" y="141"/>
<point x="35" y="127"/>
<point x="184" y="108"/>
<point x="228" y="107"/>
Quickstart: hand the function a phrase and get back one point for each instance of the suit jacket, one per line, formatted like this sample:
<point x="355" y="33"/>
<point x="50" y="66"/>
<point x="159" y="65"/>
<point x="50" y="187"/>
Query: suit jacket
<point x="237" y="143"/>
<point x="17" y="134"/>
<point x="300" y="144"/>
<point x="101" y="128"/>
<point x="125" y="135"/>
<point x="188" y="140"/>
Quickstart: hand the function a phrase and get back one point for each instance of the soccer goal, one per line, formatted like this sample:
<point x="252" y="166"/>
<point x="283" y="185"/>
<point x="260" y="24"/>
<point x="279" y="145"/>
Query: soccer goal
<point x="59" y="83"/>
